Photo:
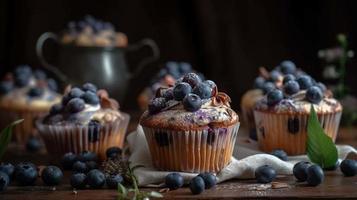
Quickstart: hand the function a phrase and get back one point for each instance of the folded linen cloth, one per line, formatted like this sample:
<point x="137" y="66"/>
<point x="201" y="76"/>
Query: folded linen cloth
<point x="246" y="158"/>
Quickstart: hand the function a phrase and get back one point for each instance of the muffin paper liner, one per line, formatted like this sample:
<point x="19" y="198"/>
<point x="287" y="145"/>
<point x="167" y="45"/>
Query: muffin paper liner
<point x="208" y="150"/>
<point x="26" y="129"/>
<point x="289" y="131"/>
<point x="60" y="139"/>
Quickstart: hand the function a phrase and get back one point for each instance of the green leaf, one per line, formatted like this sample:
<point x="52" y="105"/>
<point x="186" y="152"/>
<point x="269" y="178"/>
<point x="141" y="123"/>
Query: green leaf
<point x="5" y="136"/>
<point x="122" y="190"/>
<point x="155" y="194"/>
<point x="319" y="147"/>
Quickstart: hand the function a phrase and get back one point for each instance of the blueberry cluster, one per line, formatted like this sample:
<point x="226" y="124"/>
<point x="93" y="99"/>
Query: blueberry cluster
<point x="305" y="171"/>
<point x="89" y="21"/>
<point x="22" y="76"/>
<point x="189" y="89"/>
<point x="26" y="174"/>
<point x="197" y="185"/>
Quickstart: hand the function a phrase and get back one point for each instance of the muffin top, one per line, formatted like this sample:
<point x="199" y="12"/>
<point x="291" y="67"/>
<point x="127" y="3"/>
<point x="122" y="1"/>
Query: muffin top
<point x="82" y="106"/>
<point x="28" y="89"/>
<point x="297" y="95"/>
<point x="93" y="32"/>
<point x="191" y="104"/>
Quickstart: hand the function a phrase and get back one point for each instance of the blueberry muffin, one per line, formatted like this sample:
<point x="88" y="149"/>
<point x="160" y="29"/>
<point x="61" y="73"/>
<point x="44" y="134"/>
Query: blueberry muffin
<point x="86" y="120"/>
<point x="93" y="32"/>
<point x="281" y="116"/>
<point x="190" y="127"/>
<point x="26" y="94"/>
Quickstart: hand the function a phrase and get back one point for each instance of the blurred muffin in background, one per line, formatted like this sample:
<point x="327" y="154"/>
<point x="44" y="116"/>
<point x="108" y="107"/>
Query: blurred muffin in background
<point x="93" y="32"/>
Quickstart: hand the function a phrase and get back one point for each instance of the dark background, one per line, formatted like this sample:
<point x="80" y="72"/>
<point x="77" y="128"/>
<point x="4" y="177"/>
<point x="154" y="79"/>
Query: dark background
<point x="226" y="40"/>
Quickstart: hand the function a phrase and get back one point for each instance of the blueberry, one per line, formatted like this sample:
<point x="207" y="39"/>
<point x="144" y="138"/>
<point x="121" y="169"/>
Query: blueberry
<point x="349" y="167"/>
<point x="156" y="105"/>
<point x="288" y="77"/>
<point x="40" y="75"/>
<point x="259" y="82"/>
<point x="78" y="180"/>
<point x="86" y="156"/>
<point x="314" y="94"/>
<point x="90" y="98"/>
<point x="300" y="170"/>
<point x="52" y="175"/>
<point x="75" y="105"/>
<point x="168" y="94"/>
<point x="287" y="67"/>
<point x="275" y="75"/>
<point x="52" y="84"/>
<point x="174" y="181"/>
<point x="114" y="180"/>
<point x="192" y="102"/>
<point x="79" y="167"/>
<point x="26" y="174"/>
<point x="281" y="154"/>
<point x="5" y="87"/>
<point x="304" y="81"/>
<point x="291" y="87"/>
<point x="192" y="79"/>
<point x="181" y="90"/>
<point x="56" y="109"/>
<point x="35" y="92"/>
<point x="209" y="179"/>
<point x="321" y="86"/>
<point x="91" y="165"/>
<point x="265" y="174"/>
<point x="33" y="145"/>
<point x="68" y="160"/>
<point x="8" y="169"/>
<point x="95" y="179"/>
<point x="274" y="97"/>
<point x="89" y="87"/>
<point x="268" y="86"/>
<point x="185" y="67"/>
<point x="75" y="93"/>
<point x="113" y="152"/>
<point x="211" y="84"/>
<point x="203" y="90"/>
<point x="173" y="69"/>
<point x="94" y="128"/>
<point x="4" y="181"/>
<point x="22" y="80"/>
<point x="197" y="185"/>
<point x="315" y="175"/>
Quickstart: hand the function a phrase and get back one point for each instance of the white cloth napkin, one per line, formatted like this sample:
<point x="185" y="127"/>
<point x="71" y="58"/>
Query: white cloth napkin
<point x="246" y="158"/>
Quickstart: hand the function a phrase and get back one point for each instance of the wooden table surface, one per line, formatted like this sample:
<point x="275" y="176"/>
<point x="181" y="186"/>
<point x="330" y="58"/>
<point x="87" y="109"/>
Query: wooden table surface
<point x="335" y="186"/>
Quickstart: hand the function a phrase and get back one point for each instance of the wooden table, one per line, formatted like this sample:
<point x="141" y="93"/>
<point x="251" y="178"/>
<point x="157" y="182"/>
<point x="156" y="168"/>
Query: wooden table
<point x="334" y="186"/>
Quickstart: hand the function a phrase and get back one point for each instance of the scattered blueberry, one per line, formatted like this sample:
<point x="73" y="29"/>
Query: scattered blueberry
<point x="40" y="75"/>
<point x="192" y="79"/>
<point x="315" y="175"/>
<point x="287" y="67"/>
<point x="304" y="81"/>
<point x="95" y="179"/>
<point x="86" y="156"/>
<point x="349" y="167"/>
<point x="192" y="102"/>
<point x="35" y="92"/>
<point x="265" y="174"/>
<point x="91" y="165"/>
<point x="89" y="87"/>
<point x="288" y="77"/>
<point x="26" y="174"/>
<point x="4" y="181"/>
<point x="300" y="170"/>
<point x="5" y="87"/>
<point x="75" y="105"/>
<point x="291" y="87"/>
<point x="197" y="185"/>
<point x="281" y="154"/>
<point x="79" y="167"/>
<point x="174" y="181"/>
<point x="8" y="169"/>
<point x="94" y="127"/>
<point x="68" y="160"/>
<point x="33" y="145"/>
<point x="78" y="180"/>
<point x="274" y="97"/>
<point x="181" y="90"/>
<point x="56" y="109"/>
<point x="114" y="180"/>
<point x="113" y="152"/>
<point x="52" y="84"/>
<point x="268" y="86"/>
<point x="90" y="98"/>
<point x="156" y="105"/>
<point x="52" y="175"/>
<point x="259" y="82"/>
<point x="209" y="179"/>
<point x="314" y="94"/>
<point x="203" y="90"/>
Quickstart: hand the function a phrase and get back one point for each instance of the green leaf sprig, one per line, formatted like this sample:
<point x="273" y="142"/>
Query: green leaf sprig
<point x="319" y="147"/>
<point x="5" y="136"/>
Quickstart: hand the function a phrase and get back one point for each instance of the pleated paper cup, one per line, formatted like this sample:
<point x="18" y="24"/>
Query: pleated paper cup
<point x="208" y="150"/>
<point x="288" y="131"/>
<point x="61" y="139"/>
<point x="249" y="99"/>
<point x="26" y="129"/>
